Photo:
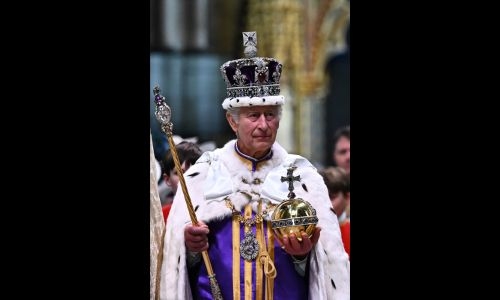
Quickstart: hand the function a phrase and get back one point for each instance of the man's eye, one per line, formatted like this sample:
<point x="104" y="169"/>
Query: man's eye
<point x="253" y="116"/>
<point x="269" y="116"/>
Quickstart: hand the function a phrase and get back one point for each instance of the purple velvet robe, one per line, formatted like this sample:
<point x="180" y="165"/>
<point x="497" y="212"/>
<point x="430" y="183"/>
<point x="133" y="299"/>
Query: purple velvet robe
<point x="288" y="284"/>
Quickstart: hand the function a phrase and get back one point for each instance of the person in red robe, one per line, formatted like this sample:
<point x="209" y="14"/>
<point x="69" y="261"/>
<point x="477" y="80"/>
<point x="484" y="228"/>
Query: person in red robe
<point x="339" y="189"/>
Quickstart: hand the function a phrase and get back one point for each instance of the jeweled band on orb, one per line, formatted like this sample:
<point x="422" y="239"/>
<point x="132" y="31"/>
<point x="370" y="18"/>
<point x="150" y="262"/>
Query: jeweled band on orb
<point x="297" y="221"/>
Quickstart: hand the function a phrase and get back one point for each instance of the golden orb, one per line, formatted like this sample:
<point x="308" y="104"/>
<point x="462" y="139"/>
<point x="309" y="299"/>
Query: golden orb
<point x="294" y="216"/>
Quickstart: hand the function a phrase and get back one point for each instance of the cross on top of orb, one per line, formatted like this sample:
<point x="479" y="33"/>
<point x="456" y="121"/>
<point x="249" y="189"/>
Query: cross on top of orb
<point x="290" y="178"/>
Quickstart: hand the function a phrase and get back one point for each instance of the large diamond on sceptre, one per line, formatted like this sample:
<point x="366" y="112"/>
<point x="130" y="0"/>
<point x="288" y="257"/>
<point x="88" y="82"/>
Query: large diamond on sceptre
<point x="293" y="215"/>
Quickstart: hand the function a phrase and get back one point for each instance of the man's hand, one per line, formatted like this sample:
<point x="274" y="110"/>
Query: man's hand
<point x="291" y="245"/>
<point x="196" y="237"/>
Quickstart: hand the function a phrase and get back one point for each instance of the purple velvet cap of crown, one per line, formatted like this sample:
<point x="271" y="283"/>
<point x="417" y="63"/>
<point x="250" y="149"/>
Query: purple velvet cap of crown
<point x="250" y="78"/>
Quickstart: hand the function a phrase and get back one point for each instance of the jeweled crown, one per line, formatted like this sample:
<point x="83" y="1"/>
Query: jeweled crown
<point x="252" y="80"/>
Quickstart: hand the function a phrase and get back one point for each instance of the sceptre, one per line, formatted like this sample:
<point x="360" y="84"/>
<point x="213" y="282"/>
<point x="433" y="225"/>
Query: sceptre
<point x="163" y="115"/>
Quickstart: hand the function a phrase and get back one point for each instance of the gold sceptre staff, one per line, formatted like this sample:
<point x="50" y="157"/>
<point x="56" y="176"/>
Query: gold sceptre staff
<point x="163" y="115"/>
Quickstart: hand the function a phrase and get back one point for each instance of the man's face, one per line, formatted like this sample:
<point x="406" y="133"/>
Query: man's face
<point x="256" y="129"/>
<point x="342" y="154"/>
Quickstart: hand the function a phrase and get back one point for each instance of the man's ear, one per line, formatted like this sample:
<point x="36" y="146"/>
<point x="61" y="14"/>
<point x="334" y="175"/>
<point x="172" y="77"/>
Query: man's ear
<point x="231" y="122"/>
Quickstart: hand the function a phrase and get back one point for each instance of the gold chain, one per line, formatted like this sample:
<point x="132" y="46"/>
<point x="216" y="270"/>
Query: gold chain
<point x="248" y="222"/>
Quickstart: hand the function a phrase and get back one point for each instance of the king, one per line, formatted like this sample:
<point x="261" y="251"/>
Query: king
<point x="235" y="189"/>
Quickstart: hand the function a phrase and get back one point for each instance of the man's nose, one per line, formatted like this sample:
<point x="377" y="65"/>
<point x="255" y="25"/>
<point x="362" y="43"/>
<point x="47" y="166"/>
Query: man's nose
<point x="262" y="121"/>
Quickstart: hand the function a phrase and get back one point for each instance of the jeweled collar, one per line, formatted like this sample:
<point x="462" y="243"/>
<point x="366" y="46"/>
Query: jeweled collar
<point x="254" y="161"/>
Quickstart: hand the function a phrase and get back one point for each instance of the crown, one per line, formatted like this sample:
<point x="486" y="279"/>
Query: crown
<point x="252" y="80"/>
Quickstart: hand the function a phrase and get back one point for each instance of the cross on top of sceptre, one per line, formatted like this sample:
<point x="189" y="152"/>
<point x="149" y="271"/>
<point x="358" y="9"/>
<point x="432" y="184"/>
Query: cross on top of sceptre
<point x="290" y="178"/>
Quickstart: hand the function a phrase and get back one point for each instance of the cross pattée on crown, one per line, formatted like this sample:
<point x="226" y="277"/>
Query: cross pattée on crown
<point x="250" y="38"/>
<point x="250" y="43"/>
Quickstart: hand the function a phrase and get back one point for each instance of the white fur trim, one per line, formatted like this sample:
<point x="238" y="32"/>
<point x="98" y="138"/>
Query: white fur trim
<point x="253" y="101"/>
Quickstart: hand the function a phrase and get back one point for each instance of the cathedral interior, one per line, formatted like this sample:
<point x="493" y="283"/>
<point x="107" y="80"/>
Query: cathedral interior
<point x="190" y="40"/>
